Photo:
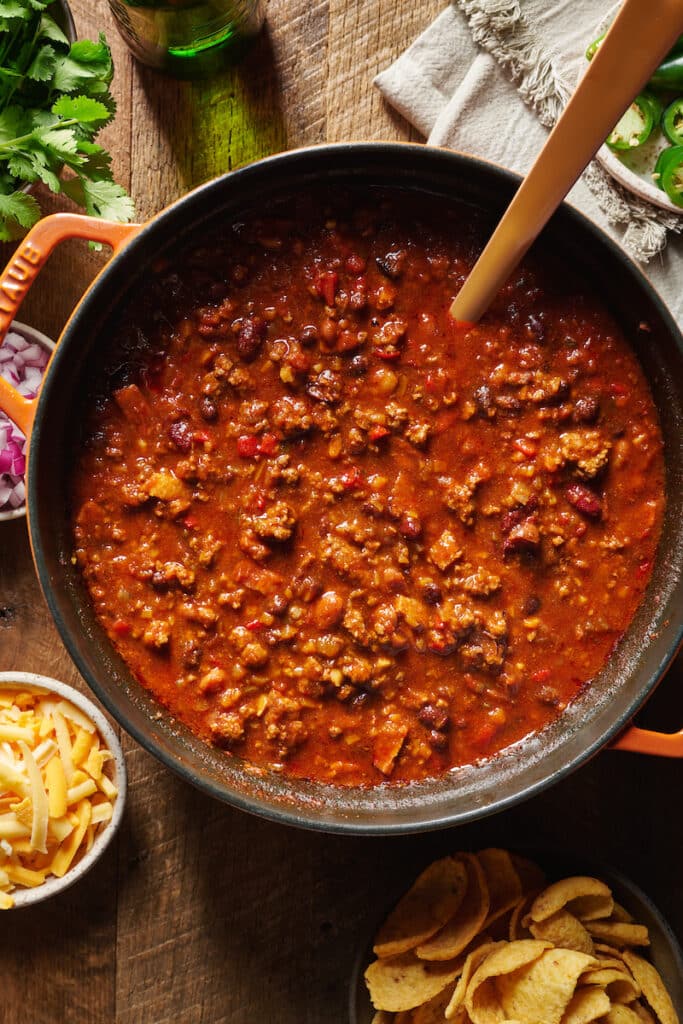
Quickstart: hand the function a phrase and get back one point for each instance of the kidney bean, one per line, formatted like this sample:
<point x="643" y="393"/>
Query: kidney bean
<point x="586" y="409"/>
<point x="250" y="337"/>
<point x="180" y="434"/>
<point x="208" y="409"/>
<point x="584" y="500"/>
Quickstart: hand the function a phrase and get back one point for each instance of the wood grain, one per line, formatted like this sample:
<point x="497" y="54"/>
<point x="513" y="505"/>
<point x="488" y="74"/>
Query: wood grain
<point x="200" y="914"/>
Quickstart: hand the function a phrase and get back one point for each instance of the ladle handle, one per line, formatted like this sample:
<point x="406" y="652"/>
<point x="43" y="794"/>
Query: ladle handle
<point x="28" y="260"/>
<point x="640" y="37"/>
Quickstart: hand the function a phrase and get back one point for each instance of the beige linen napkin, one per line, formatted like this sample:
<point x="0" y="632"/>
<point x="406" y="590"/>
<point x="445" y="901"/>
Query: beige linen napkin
<point x="489" y="77"/>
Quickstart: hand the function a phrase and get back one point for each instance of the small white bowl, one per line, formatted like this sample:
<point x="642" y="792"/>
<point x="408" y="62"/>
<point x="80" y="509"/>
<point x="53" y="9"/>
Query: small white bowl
<point x="32" y="682"/>
<point x="37" y="337"/>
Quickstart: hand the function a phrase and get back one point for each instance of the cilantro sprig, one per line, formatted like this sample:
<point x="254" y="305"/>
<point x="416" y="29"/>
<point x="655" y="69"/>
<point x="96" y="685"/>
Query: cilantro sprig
<point x="54" y="99"/>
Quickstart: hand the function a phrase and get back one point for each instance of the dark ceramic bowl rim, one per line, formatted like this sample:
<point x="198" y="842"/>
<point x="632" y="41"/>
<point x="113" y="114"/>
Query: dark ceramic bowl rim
<point x="183" y="212"/>
<point x="665" y="941"/>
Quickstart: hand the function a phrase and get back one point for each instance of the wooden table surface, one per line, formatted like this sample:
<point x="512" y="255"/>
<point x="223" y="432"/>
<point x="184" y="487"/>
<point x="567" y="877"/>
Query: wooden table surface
<point x="199" y="914"/>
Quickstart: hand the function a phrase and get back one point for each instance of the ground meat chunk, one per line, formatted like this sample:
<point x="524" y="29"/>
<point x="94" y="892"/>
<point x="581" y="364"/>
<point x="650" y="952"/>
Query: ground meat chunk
<point x="523" y="537"/>
<point x="291" y="416"/>
<point x="481" y="583"/>
<point x="445" y="551"/>
<point x="157" y="634"/>
<point x="276" y="523"/>
<point x="418" y="433"/>
<point x="172" y="574"/>
<point x="587" y="450"/>
<point x="325" y="387"/>
<point x="458" y="498"/>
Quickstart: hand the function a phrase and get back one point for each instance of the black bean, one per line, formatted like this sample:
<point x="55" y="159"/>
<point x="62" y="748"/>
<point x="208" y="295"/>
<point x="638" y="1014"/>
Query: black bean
<point x="208" y="408"/>
<point x="308" y="335"/>
<point x="434" y="717"/>
<point x="392" y="263"/>
<point x="586" y="409"/>
<point x="358" y="366"/>
<point x="438" y="740"/>
<point x="531" y="605"/>
<point x="431" y="594"/>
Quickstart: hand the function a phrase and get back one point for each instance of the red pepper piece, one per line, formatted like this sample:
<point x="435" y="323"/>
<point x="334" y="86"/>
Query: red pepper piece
<point x="388" y="352"/>
<point x="326" y="286"/>
<point x="376" y="433"/>
<point x="484" y="735"/>
<point x="190" y="522"/>
<point x="121" y="627"/>
<point x="248" y="446"/>
<point x="541" y="676"/>
<point x="254" y="625"/>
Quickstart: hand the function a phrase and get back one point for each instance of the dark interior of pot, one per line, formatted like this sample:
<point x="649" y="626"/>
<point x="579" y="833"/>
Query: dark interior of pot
<point x="636" y="665"/>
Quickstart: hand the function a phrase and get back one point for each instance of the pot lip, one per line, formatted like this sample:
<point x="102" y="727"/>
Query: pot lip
<point x="53" y="886"/>
<point x="284" y="812"/>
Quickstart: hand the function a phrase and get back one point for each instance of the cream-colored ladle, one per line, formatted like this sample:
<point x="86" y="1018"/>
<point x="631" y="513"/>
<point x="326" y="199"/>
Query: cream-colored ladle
<point x="641" y="35"/>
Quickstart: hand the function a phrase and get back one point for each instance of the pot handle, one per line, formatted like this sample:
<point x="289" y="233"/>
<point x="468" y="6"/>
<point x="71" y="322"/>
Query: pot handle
<point x="22" y="270"/>
<point x="645" y="741"/>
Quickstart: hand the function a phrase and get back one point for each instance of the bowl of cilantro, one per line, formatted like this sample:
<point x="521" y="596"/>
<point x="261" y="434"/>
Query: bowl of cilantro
<point x="54" y="99"/>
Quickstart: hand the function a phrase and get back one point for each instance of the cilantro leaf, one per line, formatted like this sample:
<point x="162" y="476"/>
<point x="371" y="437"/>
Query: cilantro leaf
<point x="101" y="198"/>
<point x="43" y="64"/>
<point x="54" y="99"/>
<point x="18" y="212"/>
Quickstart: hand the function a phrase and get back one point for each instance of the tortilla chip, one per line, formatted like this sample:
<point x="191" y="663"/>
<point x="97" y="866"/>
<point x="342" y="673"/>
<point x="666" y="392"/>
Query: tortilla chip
<point x="434" y="1011"/>
<point x="483" y="997"/>
<point x="457" y="933"/>
<point x="542" y="990"/>
<point x="619" y="933"/>
<point x="653" y="989"/>
<point x="582" y="896"/>
<point x="426" y="907"/>
<point x="620" y="913"/>
<point x="404" y="982"/>
<point x="619" y="1014"/>
<point x="474" y="959"/>
<point x="517" y="929"/>
<point x="642" y="1012"/>
<point x="563" y="930"/>
<point x="586" y="1005"/>
<point x="530" y="875"/>
<point x="504" y="884"/>
<point x="620" y="986"/>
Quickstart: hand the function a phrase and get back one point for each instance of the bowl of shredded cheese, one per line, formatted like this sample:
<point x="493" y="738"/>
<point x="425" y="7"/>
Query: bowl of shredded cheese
<point x="62" y="787"/>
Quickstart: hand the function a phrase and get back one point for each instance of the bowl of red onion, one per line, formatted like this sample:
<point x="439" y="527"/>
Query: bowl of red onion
<point x="24" y="356"/>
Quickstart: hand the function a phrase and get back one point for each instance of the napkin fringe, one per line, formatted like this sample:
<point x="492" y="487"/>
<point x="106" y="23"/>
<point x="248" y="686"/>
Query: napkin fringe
<point x="500" y="28"/>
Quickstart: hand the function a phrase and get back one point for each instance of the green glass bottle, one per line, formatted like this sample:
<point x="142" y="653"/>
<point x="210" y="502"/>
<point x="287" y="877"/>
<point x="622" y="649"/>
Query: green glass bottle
<point x="187" y="38"/>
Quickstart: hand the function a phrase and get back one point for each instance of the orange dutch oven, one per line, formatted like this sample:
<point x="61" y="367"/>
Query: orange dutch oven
<point x="600" y="717"/>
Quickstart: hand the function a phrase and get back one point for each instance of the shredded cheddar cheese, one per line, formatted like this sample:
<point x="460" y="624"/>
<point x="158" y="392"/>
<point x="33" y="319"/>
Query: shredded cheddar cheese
<point x="54" y="793"/>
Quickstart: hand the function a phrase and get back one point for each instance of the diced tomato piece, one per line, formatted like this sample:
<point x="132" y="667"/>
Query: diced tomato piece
<point x="254" y="625"/>
<point x="121" y="627"/>
<point x="200" y="436"/>
<point x="484" y="735"/>
<point x="190" y="522"/>
<point x="268" y="444"/>
<point x="352" y="479"/>
<point x="617" y="389"/>
<point x="541" y="676"/>
<point x="376" y="433"/>
<point x="248" y="446"/>
<point x="260" y="501"/>
<point x="326" y="286"/>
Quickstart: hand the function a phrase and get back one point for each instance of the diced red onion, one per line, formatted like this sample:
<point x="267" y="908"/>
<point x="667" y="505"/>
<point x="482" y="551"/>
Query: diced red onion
<point x="22" y="364"/>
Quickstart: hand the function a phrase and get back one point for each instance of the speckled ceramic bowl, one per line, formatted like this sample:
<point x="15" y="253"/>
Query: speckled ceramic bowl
<point x="117" y="772"/>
